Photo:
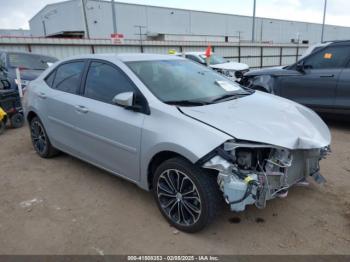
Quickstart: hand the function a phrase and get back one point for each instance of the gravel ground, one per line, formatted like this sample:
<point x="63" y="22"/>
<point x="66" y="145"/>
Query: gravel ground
<point x="65" y="206"/>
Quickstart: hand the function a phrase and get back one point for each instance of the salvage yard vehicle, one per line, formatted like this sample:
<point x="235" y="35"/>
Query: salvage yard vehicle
<point x="177" y="128"/>
<point x="319" y="80"/>
<point x="30" y="65"/>
<point x="228" y="68"/>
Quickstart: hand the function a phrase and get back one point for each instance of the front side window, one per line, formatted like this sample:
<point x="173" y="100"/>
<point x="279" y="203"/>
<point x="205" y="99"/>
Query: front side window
<point x="174" y="81"/>
<point x="68" y="77"/>
<point x="328" y="58"/>
<point x="104" y="82"/>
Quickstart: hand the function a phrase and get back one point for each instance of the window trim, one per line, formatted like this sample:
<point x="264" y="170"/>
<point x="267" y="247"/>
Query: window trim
<point x="145" y="105"/>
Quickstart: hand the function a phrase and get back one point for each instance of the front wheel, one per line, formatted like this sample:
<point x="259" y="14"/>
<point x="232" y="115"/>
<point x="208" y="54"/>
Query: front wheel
<point x="187" y="196"/>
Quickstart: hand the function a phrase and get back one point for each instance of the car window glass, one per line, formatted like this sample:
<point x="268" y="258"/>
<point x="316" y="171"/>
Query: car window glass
<point x="68" y="76"/>
<point x="178" y="80"/>
<point x="331" y="57"/>
<point x="104" y="82"/>
<point x="194" y="58"/>
<point x="49" y="79"/>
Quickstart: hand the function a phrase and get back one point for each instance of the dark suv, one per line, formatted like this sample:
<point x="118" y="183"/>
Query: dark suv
<point x="320" y="79"/>
<point x="30" y="65"/>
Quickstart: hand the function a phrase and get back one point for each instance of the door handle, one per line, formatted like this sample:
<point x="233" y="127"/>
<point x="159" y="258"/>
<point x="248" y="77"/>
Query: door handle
<point x="42" y="95"/>
<point x="323" y="76"/>
<point x="81" y="109"/>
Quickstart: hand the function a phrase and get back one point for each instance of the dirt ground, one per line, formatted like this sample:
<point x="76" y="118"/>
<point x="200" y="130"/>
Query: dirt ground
<point x="65" y="206"/>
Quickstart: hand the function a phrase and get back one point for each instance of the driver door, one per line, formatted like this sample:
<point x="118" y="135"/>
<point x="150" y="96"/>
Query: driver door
<point x="316" y="85"/>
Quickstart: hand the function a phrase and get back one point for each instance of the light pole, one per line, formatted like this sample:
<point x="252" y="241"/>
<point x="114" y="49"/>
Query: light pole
<point x="324" y="19"/>
<point x="114" y="19"/>
<point x="253" y="29"/>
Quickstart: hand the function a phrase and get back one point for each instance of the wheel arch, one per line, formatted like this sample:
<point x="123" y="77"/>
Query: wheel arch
<point x="158" y="159"/>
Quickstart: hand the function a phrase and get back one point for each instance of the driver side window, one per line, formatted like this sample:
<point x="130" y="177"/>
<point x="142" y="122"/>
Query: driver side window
<point x="329" y="58"/>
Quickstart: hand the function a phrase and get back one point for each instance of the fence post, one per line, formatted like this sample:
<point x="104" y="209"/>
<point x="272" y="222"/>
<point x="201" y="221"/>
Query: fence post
<point x="297" y="57"/>
<point x="281" y="54"/>
<point x="261" y="57"/>
<point x="239" y="52"/>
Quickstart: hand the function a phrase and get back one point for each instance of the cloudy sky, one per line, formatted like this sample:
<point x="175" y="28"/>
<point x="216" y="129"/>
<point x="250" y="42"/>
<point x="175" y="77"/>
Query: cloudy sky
<point x="16" y="13"/>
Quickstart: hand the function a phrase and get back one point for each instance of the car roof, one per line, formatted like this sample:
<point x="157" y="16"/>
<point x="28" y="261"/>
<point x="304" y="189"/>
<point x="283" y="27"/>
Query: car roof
<point x="126" y="57"/>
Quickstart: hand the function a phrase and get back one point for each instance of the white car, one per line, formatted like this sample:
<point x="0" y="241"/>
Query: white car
<point x="220" y="64"/>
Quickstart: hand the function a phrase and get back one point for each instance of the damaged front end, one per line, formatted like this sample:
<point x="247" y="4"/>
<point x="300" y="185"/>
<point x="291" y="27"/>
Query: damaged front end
<point x="252" y="173"/>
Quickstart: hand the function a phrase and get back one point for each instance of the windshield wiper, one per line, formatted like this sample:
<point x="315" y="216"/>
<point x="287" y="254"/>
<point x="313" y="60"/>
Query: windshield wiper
<point x="186" y="103"/>
<point x="229" y="97"/>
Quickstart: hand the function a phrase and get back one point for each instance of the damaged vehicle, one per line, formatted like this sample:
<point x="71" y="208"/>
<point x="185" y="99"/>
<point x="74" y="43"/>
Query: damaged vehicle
<point x="319" y="80"/>
<point x="191" y="136"/>
<point x="230" y="69"/>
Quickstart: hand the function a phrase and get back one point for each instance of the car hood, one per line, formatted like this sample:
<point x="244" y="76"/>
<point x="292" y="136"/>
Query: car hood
<point x="273" y="71"/>
<point x="234" y="66"/>
<point x="267" y="119"/>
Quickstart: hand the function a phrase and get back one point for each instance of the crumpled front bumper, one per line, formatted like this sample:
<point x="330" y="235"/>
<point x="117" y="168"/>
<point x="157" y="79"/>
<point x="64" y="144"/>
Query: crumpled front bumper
<point x="258" y="187"/>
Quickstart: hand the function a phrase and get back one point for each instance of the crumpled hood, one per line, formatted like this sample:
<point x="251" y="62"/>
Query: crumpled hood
<point x="234" y="66"/>
<point x="273" y="71"/>
<point x="267" y="119"/>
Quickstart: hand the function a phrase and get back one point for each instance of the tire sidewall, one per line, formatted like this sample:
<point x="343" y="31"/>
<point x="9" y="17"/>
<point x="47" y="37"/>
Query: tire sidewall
<point x="192" y="172"/>
<point x="45" y="153"/>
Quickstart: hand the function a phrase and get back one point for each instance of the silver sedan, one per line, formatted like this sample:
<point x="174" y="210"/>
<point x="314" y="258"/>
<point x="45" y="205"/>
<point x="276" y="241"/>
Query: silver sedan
<point x="174" y="127"/>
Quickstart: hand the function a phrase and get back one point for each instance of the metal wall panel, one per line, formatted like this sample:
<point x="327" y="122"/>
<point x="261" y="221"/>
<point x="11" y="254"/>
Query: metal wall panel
<point x="159" y="49"/>
<point x="62" y="48"/>
<point x="61" y="51"/>
<point x="117" y="49"/>
<point x="227" y="51"/>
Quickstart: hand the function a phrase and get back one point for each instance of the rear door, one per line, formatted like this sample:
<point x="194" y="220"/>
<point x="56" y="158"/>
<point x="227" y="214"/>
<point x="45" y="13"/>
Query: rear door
<point x="61" y="101"/>
<point x="110" y="136"/>
<point x="316" y="86"/>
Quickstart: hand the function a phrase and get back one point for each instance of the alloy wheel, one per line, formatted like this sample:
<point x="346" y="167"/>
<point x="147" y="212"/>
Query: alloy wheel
<point x="38" y="137"/>
<point x="178" y="197"/>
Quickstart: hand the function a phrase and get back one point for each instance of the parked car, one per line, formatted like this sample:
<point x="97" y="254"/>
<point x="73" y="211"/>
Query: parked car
<point x="319" y="80"/>
<point x="177" y="128"/>
<point x="30" y="65"/>
<point x="228" y="68"/>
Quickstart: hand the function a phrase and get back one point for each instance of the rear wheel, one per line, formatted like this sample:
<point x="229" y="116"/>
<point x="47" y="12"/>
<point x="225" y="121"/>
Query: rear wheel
<point x="40" y="140"/>
<point x="187" y="196"/>
<point x="17" y="120"/>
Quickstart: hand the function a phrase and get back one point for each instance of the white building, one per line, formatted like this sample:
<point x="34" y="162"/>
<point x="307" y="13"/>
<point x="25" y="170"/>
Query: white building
<point x="69" y="19"/>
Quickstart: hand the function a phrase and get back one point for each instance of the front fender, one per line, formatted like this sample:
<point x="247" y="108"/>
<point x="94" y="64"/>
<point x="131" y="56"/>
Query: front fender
<point x="264" y="82"/>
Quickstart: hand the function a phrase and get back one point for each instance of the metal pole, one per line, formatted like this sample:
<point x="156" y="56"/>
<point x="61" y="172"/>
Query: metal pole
<point x="114" y="18"/>
<point x="324" y="19"/>
<point x="253" y="29"/>
<point x="83" y="4"/>
<point x="140" y="34"/>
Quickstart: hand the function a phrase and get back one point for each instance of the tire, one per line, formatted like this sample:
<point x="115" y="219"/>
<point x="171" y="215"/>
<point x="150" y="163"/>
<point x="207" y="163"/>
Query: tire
<point x="17" y="120"/>
<point x="2" y="126"/>
<point x="173" y="182"/>
<point x="40" y="140"/>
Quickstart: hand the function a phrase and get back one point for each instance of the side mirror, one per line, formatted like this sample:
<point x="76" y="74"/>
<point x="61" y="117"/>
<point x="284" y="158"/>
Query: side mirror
<point x="300" y="66"/>
<point x="125" y="99"/>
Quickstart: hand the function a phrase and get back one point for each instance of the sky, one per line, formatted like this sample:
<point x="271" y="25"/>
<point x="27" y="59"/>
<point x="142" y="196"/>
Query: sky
<point x="16" y="13"/>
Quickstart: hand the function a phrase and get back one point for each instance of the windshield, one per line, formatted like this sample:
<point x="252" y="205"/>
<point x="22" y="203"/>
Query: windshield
<point x="180" y="81"/>
<point x="215" y="59"/>
<point x="29" y="61"/>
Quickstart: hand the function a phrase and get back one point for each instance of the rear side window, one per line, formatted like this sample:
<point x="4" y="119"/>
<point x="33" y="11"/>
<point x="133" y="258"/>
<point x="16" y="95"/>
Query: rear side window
<point x="328" y="58"/>
<point x="104" y="82"/>
<point x="194" y="58"/>
<point x="49" y="79"/>
<point x="68" y="77"/>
